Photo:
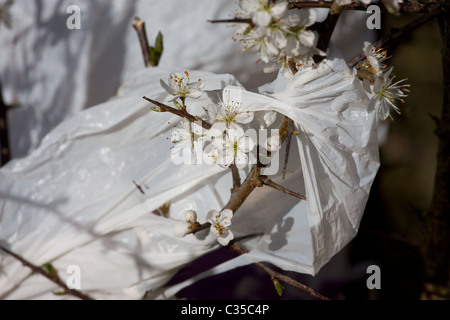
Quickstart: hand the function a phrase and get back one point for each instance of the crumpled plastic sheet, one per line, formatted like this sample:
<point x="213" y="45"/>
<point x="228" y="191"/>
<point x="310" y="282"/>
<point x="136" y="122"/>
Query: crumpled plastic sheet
<point x="73" y="201"/>
<point x="54" y="72"/>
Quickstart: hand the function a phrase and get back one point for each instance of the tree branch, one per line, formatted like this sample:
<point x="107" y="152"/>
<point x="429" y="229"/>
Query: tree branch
<point x="281" y="277"/>
<point x="434" y="10"/>
<point x="178" y="112"/>
<point x="406" y="7"/>
<point x="139" y="26"/>
<point x="55" y="280"/>
<point x="276" y="186"/>
<point x="236" y="177"/>
<point x="234" y="20"/>
<point x="326" y="29"/>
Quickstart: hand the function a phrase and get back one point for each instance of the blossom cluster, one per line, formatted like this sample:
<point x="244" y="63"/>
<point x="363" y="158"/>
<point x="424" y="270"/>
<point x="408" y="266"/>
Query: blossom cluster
<point x="225" y="141"/>
<point x="219" y="136"/>
<point x="278" y="37"/>
<point x="380" y="86"/>
<point x="219" y="225"/>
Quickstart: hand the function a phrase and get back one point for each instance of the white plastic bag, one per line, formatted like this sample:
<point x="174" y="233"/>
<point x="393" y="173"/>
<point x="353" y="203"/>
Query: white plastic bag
<point x="73" y="201"/>
<point x="334" y="165"/>
<point x="338" y="151"/>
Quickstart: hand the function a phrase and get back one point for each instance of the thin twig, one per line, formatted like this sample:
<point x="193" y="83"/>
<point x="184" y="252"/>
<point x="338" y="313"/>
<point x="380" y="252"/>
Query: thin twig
<point x="234" y="20"/>
<point x="239" y="195"/>
<point x="406" y="7"/>
<point x="178" y="112"/>
<point x="278" y="187"/>
<point x="139" y="26"/>
<point x="397" y="34"/>
<point x="280" y="277"/>
<point x="326" y="29"/>
<point x="55" y="280"/>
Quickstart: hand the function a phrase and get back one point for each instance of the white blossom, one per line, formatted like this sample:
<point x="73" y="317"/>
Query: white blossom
<point x="375" y="58"/>
<point x="386" y="93"/>
<point x="276" y="36"/>
<point x="227" y="114"/>
<point x="262" y="11"/>
<point x="180" y="86"/>
<point x="220" y="223"/>
<point x="233" y="148"/>
<point x="188" y="138"/>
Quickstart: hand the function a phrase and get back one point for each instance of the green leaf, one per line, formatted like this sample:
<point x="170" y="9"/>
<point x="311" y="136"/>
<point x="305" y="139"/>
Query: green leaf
<point x="156" y="51"/>
<point x="159" y="44"/>
<point x="48" y="267"/>
<point x="279" y="287"/>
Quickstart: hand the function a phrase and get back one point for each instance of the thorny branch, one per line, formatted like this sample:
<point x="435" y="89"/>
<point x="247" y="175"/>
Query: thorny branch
<point x="178" y="112"/>
<point x="278" y="187"/>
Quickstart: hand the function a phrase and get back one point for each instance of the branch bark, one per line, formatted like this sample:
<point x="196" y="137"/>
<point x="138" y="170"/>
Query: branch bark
<point x="139" y="26"/>
<point x="178" y="112"/>
<point x="326" y="29"/>
<point x="278" y="187"/>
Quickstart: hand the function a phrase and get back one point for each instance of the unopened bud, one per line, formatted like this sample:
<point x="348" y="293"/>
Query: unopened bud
<point x="191" y="216"/>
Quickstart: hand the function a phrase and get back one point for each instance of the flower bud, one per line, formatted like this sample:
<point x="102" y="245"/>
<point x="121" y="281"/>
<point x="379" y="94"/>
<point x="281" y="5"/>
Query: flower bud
<point x="191" y="216"/>
<point x="181" y="228"/>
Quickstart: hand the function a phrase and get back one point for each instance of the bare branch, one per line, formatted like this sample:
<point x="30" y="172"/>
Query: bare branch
<point x="280" y="277"/>
<point x="397" y="34"/>
<point x="406" y="7"/>
<point x="139" y="26"/>
<point x="55" y="280"/>
<point x="276" y="186"/>
<point x="326" y="29"/>
<point x="178" y="112"/>
<point x="234" y="20"/>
